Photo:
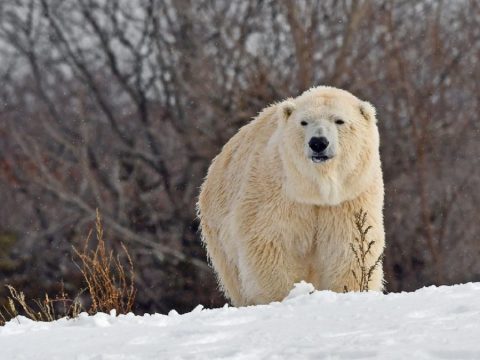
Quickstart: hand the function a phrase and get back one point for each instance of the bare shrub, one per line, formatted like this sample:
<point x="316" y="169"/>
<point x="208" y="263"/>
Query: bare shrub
<point x="46" y="309"/>
<point x="361" y="248"/>
<point x="109" y="284"/>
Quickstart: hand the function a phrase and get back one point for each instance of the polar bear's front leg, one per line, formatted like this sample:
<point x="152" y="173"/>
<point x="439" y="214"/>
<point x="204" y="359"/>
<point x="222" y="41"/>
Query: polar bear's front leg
<point x="267" y="272"/>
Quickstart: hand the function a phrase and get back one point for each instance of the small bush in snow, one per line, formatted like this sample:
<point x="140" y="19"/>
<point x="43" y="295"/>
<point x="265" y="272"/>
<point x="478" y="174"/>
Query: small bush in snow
<point x="109" y="285"/>
<point x="361" y="248"/>
<point x="46" y="309"/>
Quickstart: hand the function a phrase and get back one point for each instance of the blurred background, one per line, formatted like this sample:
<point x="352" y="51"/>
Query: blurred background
<point x="121" y="105"/>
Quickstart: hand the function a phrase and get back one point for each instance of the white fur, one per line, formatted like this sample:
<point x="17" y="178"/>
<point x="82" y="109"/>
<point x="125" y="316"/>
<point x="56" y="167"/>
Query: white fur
<point x="270" y="217"/>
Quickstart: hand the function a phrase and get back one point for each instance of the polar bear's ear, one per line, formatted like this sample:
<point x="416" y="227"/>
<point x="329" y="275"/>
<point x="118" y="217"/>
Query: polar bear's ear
<point x="286" y="109"/>
<point x="368" y="111"/>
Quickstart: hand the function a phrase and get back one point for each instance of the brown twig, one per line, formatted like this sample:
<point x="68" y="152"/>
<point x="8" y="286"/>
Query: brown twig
<point x="361" y="248"/>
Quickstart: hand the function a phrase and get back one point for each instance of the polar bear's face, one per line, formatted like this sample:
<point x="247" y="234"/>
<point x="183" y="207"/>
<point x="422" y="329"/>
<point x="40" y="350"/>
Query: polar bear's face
<point x="328" y="128"/>
<point x="320" y="136"/>
<point x="329" y="135"/>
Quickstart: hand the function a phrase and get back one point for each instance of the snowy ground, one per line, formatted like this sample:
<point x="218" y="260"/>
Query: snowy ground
<point x="431" y="323"/>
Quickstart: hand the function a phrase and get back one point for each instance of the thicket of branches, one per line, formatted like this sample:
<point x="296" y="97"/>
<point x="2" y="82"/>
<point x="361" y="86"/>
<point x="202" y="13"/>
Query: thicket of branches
<point x="121" y="105"/>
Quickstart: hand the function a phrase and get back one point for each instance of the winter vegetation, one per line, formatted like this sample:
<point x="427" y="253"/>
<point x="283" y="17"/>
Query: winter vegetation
<point x="361" y="247"/>
<point x="121" y="105"/>
<point x="109" y="285"/>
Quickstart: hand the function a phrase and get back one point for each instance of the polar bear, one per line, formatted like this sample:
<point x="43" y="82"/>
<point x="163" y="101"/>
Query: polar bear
<point x="277" y="205"/>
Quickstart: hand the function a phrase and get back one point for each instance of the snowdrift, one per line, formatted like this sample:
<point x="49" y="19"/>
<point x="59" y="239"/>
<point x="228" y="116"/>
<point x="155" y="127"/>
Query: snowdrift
<point x="430" y="323"/>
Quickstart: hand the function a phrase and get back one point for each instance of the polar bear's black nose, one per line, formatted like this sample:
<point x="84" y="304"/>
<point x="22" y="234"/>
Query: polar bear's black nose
<point x="318" y="144"/>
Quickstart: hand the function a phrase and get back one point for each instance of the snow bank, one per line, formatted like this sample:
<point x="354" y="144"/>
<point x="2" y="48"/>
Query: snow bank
<point x="430" y="323"/>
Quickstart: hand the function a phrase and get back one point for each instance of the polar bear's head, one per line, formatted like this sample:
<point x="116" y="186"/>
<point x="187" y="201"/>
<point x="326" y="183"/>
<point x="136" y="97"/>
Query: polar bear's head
<point x="329" y="145"/>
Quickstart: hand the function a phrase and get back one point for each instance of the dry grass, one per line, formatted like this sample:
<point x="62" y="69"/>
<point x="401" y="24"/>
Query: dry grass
<point x="109" y="285"/>
<point x="47" y="309"/>
<point x="361" y="248"/>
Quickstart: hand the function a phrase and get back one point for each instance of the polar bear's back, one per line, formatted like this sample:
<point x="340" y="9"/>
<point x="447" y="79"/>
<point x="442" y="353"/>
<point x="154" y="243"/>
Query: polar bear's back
<point x="228" y="172"/>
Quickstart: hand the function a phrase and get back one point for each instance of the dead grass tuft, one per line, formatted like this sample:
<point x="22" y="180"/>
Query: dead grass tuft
<point x="361" y="248"/>
<point x="46" y="309"/>
<point x="109" y="284"/>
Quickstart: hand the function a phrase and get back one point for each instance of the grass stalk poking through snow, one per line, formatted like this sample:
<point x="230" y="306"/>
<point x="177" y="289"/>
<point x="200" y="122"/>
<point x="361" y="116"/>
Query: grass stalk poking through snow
<point x="361" y="248"/>
<point x="109" y="284"/>
<point x="46" y="309"/>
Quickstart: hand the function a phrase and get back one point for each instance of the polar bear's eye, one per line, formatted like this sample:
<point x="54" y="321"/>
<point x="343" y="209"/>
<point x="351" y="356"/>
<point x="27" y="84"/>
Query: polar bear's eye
<point x="303" y="123"/>
<point x="339" y="122"/>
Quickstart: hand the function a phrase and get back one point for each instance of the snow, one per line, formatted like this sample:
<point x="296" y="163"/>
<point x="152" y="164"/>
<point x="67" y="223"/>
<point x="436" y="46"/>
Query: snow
<point x="431" y="323"/>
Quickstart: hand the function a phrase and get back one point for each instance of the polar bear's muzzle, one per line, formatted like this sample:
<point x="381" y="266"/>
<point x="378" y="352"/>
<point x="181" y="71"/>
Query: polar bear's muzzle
<point x="319" y="149"/>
